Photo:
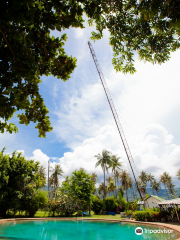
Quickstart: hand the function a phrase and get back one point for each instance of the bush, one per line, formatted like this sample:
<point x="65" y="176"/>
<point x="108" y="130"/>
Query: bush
<point x="37" y="201"/>
<point x="122" y="202"/>
<point x="65" y="205"/>
<point x="147" y="215"/>
<point x="97" y="205"/>
<point x="132" y="206"/>
<point x="129" y="213"/>
<point x="111" y="204"/>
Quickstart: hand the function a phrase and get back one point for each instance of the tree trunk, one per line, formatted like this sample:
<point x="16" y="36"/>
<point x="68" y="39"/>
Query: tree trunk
<point x="133" y="193"/>
<point x="126" y="192"/>
<point x="166" y="191"/>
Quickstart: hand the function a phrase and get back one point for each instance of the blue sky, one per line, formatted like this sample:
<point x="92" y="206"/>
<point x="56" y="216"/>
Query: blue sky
<point x="148" y="104"/>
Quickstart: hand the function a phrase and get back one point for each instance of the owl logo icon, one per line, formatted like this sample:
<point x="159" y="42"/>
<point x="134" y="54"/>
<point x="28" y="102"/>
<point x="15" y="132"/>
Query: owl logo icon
<point x="139" y="231"/>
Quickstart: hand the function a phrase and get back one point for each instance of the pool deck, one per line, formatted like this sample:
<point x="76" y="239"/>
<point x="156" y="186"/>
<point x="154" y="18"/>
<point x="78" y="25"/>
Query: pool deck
<point x="174" y="225"/>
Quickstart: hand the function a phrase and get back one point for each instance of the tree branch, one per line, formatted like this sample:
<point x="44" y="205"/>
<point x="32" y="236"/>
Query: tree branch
<point x="8" y="44"/>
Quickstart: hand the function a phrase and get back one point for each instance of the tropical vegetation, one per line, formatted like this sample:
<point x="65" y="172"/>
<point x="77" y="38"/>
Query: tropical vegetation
<point x="150" y="29"/>
<point x="22" y="180"/>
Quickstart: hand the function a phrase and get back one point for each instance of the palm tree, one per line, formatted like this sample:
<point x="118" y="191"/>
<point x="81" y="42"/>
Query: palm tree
<point x="116" y="165"/>
<point x="143" y="181"/>
<point x="42" y="174"/>
<point x="101" y="188"/>
<point x="165" y="179"/>
<point x="67" y="179"/>
<point x="94" y="179"/>
<point x="142" y="187"/>
<point x="105" y="161"/>
<point x="156" y="186"/>
<point x="121" y="190"/>
<point x="117" y="177"/>
<point x="150" y="178"/>
<point x="124" y="179"/>
<point x="109" y="179"/>
<point x="54" y="179"/>
<point x="111" y="186"/>
<point x="178" y="174"/>
<point x="130" y="182"/>
<point x="171" y="187"/>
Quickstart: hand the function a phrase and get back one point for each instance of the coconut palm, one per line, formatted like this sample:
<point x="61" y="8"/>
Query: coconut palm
<point x="67" y="179"/>
<point x="94" y="178"/>
<point x="111" y="186"/>
<point x="143" y="177"/>
<point x="142" y="187"/>
<point x="171" y="187"/>
<point x="150" y="178"/>
<point x="101" y="189"/>
<point x="117" y="176"/>
<point x="130" y="183"/>
<point x="42" y="174"/>
<point x="116" y="165"/>
<point x="124" y="179"/>
<point x="156" y="186"/>
<point x="105" y="161"/>
<point x="165" y="179"/>
<point x="54" y="179"/>
<point x="121" y="190"/>
<point x="178" y="174"/>
<point x="109" y="179"/>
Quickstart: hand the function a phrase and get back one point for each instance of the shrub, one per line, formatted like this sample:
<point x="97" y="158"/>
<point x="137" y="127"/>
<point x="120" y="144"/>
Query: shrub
<point x="111" y="204"/>
<point x="122" y="202"/>
<point x="97" y="205"/>
<point x="129" y="213"/>
<point x="132" y="206"/>
<point x="65" y="205"/>
<point x="147" y="215"/>
<point x="37" y="201"/>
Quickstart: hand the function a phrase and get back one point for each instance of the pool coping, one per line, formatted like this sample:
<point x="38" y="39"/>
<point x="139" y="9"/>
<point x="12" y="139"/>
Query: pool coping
<point x="173" y="226"/>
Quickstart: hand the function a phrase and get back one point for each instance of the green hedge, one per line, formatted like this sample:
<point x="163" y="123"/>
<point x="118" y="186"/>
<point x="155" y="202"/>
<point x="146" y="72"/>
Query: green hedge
<point x="147" y="216"/>
<point x="109" y="204"/>
<point x="97" y="205"/>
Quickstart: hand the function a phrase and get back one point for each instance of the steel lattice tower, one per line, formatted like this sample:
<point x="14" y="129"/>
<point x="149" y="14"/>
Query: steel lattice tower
<point x="116" y="118"/>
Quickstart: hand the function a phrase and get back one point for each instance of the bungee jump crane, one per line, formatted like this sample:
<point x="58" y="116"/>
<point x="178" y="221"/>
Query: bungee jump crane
<point x="116" y="118"/>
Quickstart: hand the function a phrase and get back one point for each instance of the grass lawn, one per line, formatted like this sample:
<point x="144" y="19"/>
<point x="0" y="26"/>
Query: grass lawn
<point x="40" y="214"/>
<point x="117" y="216"/>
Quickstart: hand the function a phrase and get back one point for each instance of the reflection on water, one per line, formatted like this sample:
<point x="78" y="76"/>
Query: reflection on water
<point x="80" y="230"/>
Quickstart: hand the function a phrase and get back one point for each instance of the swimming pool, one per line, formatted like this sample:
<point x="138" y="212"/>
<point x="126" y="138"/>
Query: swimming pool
<point x="80" y="230"/>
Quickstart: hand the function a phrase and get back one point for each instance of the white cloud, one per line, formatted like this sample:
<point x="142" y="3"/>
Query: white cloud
<point x="21" y="151"/>
<point x="39" y="156"/>
<point x="139" y="101"/>
<point x="152" y="149"/>
<point x="78" y="32"/>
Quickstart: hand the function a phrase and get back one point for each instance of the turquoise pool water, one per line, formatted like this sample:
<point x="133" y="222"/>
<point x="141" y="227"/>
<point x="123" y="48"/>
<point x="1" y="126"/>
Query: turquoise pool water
<point x="78" y="230"/>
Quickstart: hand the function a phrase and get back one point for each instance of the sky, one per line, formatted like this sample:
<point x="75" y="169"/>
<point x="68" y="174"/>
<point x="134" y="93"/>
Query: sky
<point x="147" y="103"/>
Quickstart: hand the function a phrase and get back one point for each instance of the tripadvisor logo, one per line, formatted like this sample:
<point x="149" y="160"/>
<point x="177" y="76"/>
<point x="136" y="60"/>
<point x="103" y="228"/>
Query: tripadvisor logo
<point x="139" y="231"/>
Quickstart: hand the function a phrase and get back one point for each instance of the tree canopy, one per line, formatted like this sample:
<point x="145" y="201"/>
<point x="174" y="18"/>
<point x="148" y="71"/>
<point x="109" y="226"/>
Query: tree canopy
<point x="19" y="180"/>
<point x="149" y="28"/>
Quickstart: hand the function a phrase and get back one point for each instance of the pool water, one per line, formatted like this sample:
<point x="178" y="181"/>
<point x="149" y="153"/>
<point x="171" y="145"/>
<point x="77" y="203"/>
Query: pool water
<point x="78" y="230"/>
